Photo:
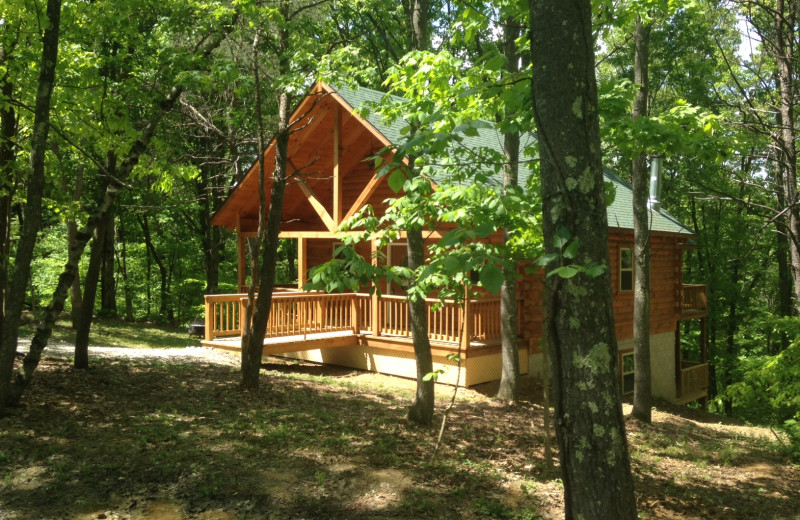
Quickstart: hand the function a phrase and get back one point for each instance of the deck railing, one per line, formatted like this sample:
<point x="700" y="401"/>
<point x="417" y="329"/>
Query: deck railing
<point x="694" y="378"/>
<point x="694" y="298"/>
<point x="306" y="313"/>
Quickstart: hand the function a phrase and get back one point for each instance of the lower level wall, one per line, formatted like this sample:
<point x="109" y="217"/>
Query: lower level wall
<point x="662" y="364"/>
<point x="396" y="362"/>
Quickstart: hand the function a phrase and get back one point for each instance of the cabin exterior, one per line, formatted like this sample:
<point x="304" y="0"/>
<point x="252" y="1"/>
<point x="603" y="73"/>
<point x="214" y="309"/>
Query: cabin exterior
<point x="331" y="179"/>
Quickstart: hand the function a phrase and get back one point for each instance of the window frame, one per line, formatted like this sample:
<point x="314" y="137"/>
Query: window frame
<point x="623" y="271"/>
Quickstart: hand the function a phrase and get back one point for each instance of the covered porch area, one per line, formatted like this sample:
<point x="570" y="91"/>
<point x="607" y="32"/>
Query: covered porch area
<point x="367" y="332"/>
<point x="691" y="376"/>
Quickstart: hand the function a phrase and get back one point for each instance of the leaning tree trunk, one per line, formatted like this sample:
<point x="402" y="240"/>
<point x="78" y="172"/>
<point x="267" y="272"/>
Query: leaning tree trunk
<point x="590" y="427"/>
<point x="33" y="204"/>
<point x="642" y="386"/>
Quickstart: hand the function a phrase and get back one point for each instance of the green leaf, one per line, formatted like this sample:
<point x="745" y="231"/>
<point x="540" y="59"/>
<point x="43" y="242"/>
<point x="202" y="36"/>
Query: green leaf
<point x="572" y="249"/>
<point x="396" y="180"/>
<point x="566" y="271"/>
<point x="491" y="277"/>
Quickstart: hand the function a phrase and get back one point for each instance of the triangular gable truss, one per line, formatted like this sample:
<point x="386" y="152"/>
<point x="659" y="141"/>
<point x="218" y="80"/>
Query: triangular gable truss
<point x="329" y="178"/>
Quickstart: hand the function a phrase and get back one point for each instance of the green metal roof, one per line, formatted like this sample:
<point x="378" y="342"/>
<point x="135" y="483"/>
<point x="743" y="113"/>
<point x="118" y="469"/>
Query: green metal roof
<point x="620" y="212"/>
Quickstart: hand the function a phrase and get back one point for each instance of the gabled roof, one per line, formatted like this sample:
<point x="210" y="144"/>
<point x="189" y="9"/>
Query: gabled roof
<point x="239" y="204"/>
<point x="620" y="212"/>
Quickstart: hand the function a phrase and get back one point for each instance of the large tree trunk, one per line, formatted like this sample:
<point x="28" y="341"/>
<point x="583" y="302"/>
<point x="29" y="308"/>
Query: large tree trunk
<point x="590" y="428"/>
<point x="784" y="57"/>
<point x="8" y="182"/>
<point x="33" y="204"/>
<point x="509" y="375"/>
<point x="642" y="385"/>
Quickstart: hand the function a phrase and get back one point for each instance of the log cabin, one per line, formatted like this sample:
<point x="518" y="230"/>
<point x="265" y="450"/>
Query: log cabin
<point x="332" y="178"/>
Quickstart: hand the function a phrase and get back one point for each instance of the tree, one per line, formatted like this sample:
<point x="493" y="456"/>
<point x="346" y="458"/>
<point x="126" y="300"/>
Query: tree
<point x="33" y="206"/>
<point x="589" y="424"/>
<point x="642" y="385"/>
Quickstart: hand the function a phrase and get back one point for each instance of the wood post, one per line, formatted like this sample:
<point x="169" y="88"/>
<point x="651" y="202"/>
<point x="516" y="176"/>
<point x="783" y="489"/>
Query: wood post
<point x="355" y="314"/>
<point x="241" y="256"/>
<point x="209" y="320"/>
<point x="374" y="302"/>
<point x="337" y="178"/>
<point x="466" y="334"/>
<point x="302" y="262"/>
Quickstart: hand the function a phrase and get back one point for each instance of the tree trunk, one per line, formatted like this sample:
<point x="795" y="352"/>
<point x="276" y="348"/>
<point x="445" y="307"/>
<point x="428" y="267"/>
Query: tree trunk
<point x="8" y="182"/>
<point x="509" y="375"/>
<point x="33" y="204"/>
<point x="76" y="298"/>
<point x="123" y="269"/>
<point x="590" y="428"/>
<point x="269" y="226"/>
<point x="108" y="285"/>
<point x="642" y="385"/>
<point x="90" y="294"/>
<point x="421" y="410"/>
<point x="162" y="269"/>
<point x="45" y="328"/>
<point x="784" y="57"/>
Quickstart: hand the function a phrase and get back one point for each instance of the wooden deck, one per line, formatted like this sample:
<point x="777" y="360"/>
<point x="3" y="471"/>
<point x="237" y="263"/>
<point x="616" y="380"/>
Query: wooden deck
<point x="304" y="321"/>
<point x="694" y="302"/>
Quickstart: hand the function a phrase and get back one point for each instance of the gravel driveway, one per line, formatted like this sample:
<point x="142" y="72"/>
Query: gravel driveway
<point x="183" y="355"/>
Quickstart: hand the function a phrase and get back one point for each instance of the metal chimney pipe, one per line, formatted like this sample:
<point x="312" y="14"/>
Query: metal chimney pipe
<point x="655" y="183"/>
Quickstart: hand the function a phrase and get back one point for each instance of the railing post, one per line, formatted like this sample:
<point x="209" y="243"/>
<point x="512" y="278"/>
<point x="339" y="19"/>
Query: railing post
<point x="355" y="314"/>
<point x="466" y="326"/>
<point x="209" y="320"/>
<point x="374" y="302"/>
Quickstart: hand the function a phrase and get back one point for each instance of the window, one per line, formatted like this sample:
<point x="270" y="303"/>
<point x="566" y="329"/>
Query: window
<point x="625" y="269"/>
<point x="627" y="373"/>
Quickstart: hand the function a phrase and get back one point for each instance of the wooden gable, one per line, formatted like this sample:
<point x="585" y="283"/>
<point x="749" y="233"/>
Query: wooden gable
<point x="330" y="174"/>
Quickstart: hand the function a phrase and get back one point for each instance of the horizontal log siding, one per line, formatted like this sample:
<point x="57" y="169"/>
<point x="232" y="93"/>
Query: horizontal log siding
<point x="666" y="279"/>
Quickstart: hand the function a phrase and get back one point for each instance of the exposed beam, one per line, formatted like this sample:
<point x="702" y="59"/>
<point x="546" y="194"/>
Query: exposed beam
<point x="337" y="177"/>
<point x="316" y="204"/>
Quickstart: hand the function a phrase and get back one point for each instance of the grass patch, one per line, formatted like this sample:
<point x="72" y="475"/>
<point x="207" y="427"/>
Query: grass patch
<point x="108" y="332"/>
<point x="129" y="435"/>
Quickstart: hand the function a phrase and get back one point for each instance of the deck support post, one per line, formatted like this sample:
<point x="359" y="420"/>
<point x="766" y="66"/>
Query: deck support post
<point x="241" y="243"/>
<point x="302" y="262"/>
<point x="373" y="300"/>
<point x="209" y="319"/>
<point x="466" y="325"/>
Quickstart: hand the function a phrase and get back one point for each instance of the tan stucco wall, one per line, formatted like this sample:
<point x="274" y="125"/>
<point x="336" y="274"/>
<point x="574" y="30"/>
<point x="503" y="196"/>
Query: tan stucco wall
<point x="475" y="370"/>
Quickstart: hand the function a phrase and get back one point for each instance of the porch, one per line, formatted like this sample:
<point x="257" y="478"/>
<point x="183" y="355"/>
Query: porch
<point x="691" y="377"/>
<point x="366" y="331"/>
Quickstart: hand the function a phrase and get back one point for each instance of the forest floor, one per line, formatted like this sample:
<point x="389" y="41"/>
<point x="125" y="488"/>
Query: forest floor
<point x="166" y="434"/>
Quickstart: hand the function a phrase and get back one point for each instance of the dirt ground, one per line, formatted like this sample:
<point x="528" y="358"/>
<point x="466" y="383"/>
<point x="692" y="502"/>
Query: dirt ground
<point x="169" y="436"/>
